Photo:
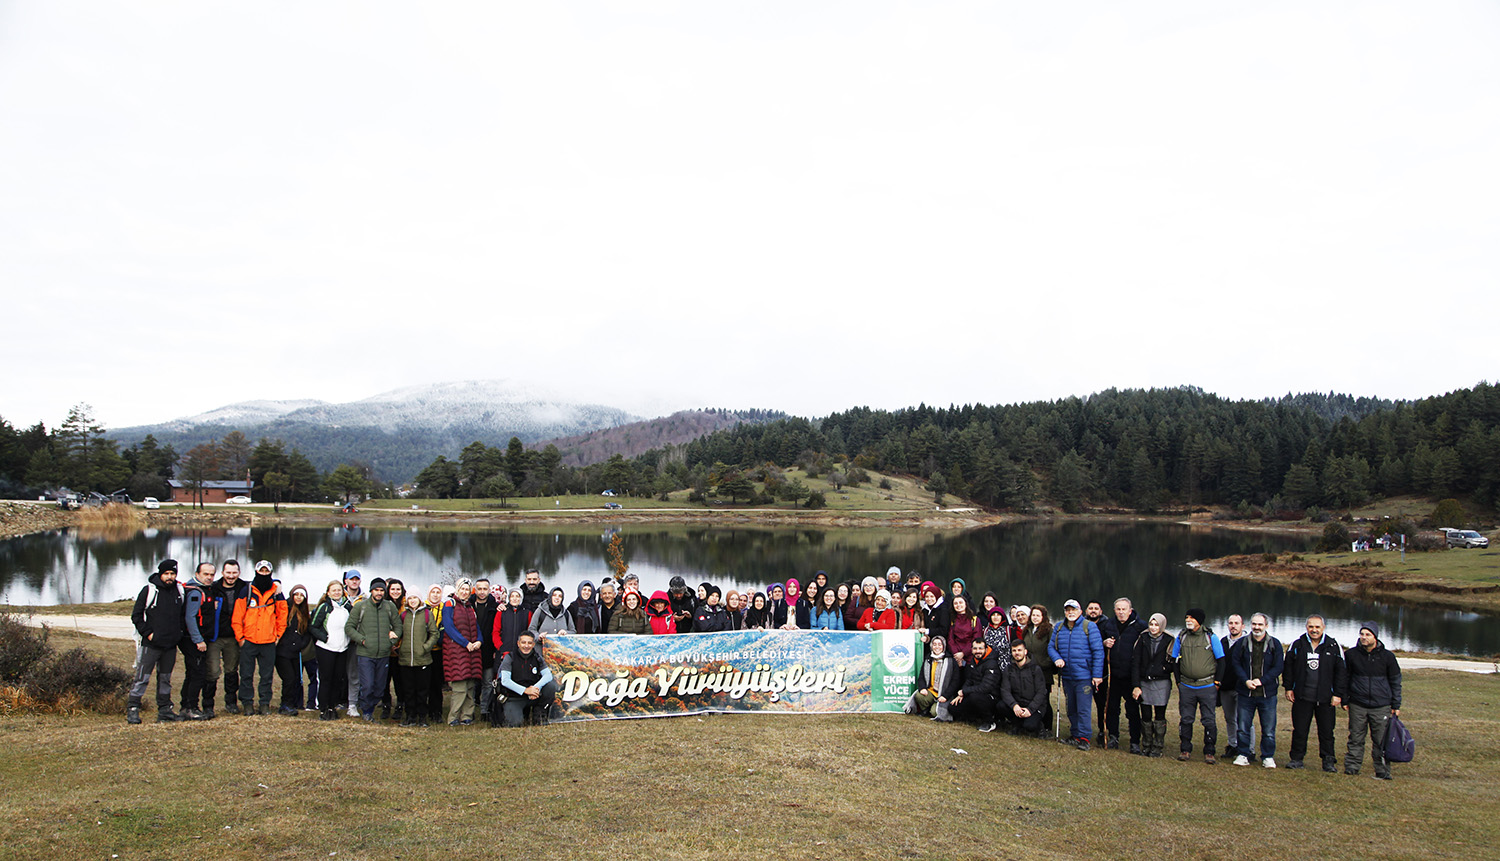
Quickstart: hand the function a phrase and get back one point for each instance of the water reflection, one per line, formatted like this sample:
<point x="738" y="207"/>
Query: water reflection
<point x="1030" y="563"/>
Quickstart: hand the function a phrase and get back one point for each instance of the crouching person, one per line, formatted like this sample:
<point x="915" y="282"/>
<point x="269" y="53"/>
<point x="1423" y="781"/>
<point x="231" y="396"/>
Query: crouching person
<point x="976" y="700"/>
<point x="937" y="682"/>
<point x="1023" y="692"/>
<point x="527" y="681"/>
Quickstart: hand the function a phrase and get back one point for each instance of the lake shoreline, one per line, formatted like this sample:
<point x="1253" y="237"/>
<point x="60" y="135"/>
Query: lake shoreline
<point x="1356" y="581"/>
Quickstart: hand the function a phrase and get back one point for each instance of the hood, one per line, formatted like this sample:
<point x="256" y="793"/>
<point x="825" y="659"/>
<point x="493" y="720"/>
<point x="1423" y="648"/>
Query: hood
<point x="963" y="587"/>
<point x="661" y="596"/>
<point x="592" y="591"/>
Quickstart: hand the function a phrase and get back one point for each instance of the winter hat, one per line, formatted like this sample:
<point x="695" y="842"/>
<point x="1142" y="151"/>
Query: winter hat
<point x="677" y="584"/>
<point x="166" y="565"/>
<point x="931" y="588"/>
<point x="1370" y="626"/>
<point x="1000" y="611"/>
<point x="883" y="593"/>
<point x="1197" y="613"/>
<point x="377" y="583"/>
<point x="892" y="570"/>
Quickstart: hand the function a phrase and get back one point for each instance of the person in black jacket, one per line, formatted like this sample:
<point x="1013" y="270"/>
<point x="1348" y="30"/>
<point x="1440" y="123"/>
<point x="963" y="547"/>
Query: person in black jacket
<point x="533" y="591"/>
<point x="1372" y="697"/>
<point x="289" y="646"/>
<point x="710" y="617"/>
<point x="1120" y="634"/>
<point x="1151" y="682"/>
<point x="1314" y="679"/>
<point x="980" y="693"/>
<point x="1023" y="692"/>
<point x="683" y="604"/>
<point x="486" y="608"/>
<point x="160" y="619"/>
<point x="218" y="632"/>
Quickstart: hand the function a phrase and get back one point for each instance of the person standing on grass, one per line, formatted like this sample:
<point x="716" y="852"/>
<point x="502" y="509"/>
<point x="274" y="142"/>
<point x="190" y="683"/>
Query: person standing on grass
<point x="1023" y="692"/>
<point x="1200" y="670"/>
<point x="159" y="616"/>
<point x="353" y="581"/>
<point x="1257" y="660"/>
<point x="1120" y="634"/>
<point x="486" y="610"/>
<point x="1314" y="677"/>
<point x="414" y="661"/>
<point x="1078" y="653"/>
<point x="218" y="632"/>
<point x="462" y="666"/>
<point x="1372" y="697"/>
<point x="509" y="623"/>
<point x="1094" y="612"/>
<point x="629" y="619"/>
<point x="259" y="619"/>
<point x="1151" y="682"/>
<point x="332" y="641"/>
<point x="373" y="627"/>
<point x="294" y="639"/>
<point x="528" y="681"/>
<point x="193" y="646"/>
<point x="1233" y="685"/>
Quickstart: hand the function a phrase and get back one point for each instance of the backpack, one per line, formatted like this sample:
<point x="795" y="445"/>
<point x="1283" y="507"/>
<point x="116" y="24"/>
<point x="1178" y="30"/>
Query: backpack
<point x="1399" y="745"/>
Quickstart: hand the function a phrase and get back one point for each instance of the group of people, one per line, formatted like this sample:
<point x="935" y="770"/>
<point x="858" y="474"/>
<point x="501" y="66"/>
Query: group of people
<point x="403" y="652"/>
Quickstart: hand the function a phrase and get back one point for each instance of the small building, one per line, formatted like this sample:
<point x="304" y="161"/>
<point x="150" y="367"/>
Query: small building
<point x="213" y="491"/>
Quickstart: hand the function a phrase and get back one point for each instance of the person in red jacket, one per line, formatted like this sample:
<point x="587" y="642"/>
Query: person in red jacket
<point x="259" y="619"/>
<point x="879" y="617"/>
<point x="659" y="614"/>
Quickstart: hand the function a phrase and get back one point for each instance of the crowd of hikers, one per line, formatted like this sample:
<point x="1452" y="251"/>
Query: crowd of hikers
<point x="471" y="652"/>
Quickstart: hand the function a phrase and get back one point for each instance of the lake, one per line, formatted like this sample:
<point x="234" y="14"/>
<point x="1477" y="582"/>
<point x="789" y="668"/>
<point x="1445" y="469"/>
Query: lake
<point x="1029" y="563"/>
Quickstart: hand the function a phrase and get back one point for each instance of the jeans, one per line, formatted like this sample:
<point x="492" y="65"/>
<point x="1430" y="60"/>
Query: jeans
<point x="1245" y="711"/>
<point x="1203" y="701"/>
<point x="1229" y="701"/>
<point x="252" y="655"/>
<point x="1080" y="697"/>
<point x="517" y="705"/>
<point x="372" y="676"/>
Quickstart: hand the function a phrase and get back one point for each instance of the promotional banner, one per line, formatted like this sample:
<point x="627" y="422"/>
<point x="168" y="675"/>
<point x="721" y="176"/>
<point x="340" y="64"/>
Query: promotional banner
<point x="779" y="672"/>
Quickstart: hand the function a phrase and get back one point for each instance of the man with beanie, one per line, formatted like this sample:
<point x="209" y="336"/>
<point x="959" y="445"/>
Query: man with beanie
<point x="1077" y="651"/>
<point x="158" y="616"/>
<point x="1257" y="660"/>
<point x="1314" y="679"/>
<point x="373" y="625"/>
<point x="259" y="619"/>
<point x="1200" y="670"/>
<point x="1372" y="697"/>
<point x="194" y="646"/>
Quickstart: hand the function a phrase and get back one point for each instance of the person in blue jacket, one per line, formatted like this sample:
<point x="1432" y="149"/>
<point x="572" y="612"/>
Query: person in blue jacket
<point x="1077" y="650"/>
<point x="1257" y="661"/>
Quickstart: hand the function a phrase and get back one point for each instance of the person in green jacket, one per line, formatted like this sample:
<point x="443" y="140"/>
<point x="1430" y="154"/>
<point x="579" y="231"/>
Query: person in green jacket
<point x="630" y="618"/>
<point x="373" y="626"/>
<point x="414" y="661"/>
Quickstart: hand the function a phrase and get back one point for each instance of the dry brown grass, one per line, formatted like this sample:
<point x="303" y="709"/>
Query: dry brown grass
<point x="114" y="521"/>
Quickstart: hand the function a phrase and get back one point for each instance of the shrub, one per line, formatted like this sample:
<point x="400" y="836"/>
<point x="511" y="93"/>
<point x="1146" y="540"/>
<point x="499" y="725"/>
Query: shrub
<point x="885" y="484"/>
<point x="22" y="647"/>
<point x="1316" y="514"/>
<point x="78" y="676"/>
<point x="1335" y="537"/>
<point x="816" y="499"/>
<point x="1448" y="512"/>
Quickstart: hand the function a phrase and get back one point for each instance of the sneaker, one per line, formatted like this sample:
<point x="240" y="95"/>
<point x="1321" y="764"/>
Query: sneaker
<point x="406" y="722"/>
<point x="1242" y="760"/>
<point x="1210" y="759"/>
<point x="466" y="722"/>
<point x="1184" y="756"/>
<point x="1067" y="741"/>
<point x="264" y="709"/>
<point x="192" y="714"/>
<point x="353" y="711"/>
<point x="423" y="724"/>
<point x="167" y="716"/>
<point x="1382" y="775"/>
<point x="1296" y="763"/>
<point x="208" y="714"/>
<point x="1268" y="762"/>
<point x="1330" y="766"/>
<point x="287" y="710"/>
<point x="385" y="712"/>
<point x="1229" y="750"/>
<point x="133" y="714"/>
<point x="1114" y="743"/>
<point x="989" y="727"/>
<point x="1136" y="749"/>
<point x="369" y="718"/>
<point x="1083" y="744"/>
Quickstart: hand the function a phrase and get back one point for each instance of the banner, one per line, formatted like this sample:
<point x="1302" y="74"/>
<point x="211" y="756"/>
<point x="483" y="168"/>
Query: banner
<point x="778" y="672"/>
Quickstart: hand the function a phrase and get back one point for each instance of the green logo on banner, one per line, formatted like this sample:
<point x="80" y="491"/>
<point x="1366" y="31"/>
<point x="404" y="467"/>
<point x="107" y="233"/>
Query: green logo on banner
<point x="892" y="669"/>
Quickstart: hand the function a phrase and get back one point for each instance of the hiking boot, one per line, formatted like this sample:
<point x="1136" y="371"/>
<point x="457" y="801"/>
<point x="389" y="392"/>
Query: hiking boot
<point x="167" y="716"/>
<point x="325" y="714"/>
<point x="369" y="718"/>
<point x="1135" y="749"/>
<point x="385" y="712"/>
<point x="1382" y="774"/>
<point x="208" y="714"/>
<point x="407" y="722"/>
<point x="423" y="724"/>
<point x="1351" y="770"/>
<point x="264" y="709"/>
<point x="1210" y="759"/>
<point x="1114" y="743"/>
<point x="231" y="709"/>
<point x="1184" y="756"/>
<point x="1229" y="751"/>
<point x="1083" y="744"/>
<point x="1330" y="765"/>
<point x="1242" y="760"/>
<point x="132" y="714"/>
<point x="1063" y="740"/>
<point x="192" y="714"/>
<point x="1296" y="763"/>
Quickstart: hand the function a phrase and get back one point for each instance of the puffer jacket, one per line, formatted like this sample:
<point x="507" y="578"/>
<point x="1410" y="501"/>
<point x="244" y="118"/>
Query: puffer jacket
<point x="1153" y="659"/>
<point x="260" y="616"/>
<point x="369" y="627"/>
<point x="1024" y="686"/>
<point x="1373" y="678"/>
<point x="461" y="628"/>
<point x="662" y="621"/>
<point x="1080" y="648"/>
<point x="625" y="622"/>
<point x="159" y="614"/>
<point x="418" y="636"/>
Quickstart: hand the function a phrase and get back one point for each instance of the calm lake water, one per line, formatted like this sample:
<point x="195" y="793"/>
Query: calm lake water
<point x="1021" y="563"/>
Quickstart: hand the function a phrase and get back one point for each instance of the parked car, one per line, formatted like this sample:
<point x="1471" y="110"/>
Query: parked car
<point x="613" y="505"/>
<point x="238" y="500"/>
<point x="151" y="502"/>
<point x="1466" y="538"/>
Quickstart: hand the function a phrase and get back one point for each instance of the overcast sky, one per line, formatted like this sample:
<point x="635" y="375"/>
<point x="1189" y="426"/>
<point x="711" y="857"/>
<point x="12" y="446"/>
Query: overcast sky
<point x="802" y="206"/>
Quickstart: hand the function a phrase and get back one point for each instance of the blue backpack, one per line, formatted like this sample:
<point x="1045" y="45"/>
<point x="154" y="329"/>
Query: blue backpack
<point x="1399" y="745"/>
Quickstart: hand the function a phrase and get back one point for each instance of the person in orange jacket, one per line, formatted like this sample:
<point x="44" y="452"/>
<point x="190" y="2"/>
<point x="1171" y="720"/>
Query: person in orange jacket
<point x="259" y="618"/>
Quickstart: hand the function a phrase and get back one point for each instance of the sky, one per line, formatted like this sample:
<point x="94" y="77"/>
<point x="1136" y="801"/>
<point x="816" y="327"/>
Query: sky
<point x="796" y="206"/>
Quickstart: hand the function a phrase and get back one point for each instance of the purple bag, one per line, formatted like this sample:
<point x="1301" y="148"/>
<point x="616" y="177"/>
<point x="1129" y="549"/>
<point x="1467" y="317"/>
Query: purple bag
<point x="1399" y="745"/>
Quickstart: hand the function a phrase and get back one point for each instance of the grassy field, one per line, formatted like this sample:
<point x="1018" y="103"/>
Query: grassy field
<point x="799" y="787"/>
<point x="1465" y="567"/>
<point x="903" y="495"/>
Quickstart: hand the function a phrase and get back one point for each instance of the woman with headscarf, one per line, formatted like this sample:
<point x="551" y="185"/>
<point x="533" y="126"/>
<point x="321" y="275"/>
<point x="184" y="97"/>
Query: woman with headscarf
<point x="463" y="666"/>
<point x="957" y="587"/>
<point x="757" y="615"/>
<point x="776" y="607"/>
<point x="1020" y="615"/>
<point x="289" y="646"/>
<point x="937" y="682"/>
<point x="327" y="629"/>
<point x="630" y="618"/>
<point x="997" y="636"/>
<point x="710" y="618"/>
<point x="435" y="682"/>
<point x="509" y="623"/>
<point x="799" y="612"/>
<point x="552" y="617"/>
<point x="880" y="617"/>
<point x="659" y="613"/>
<point x="734" y="610"/>
<point x="585" y="610"/>
<point x="1151" y="681"/>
